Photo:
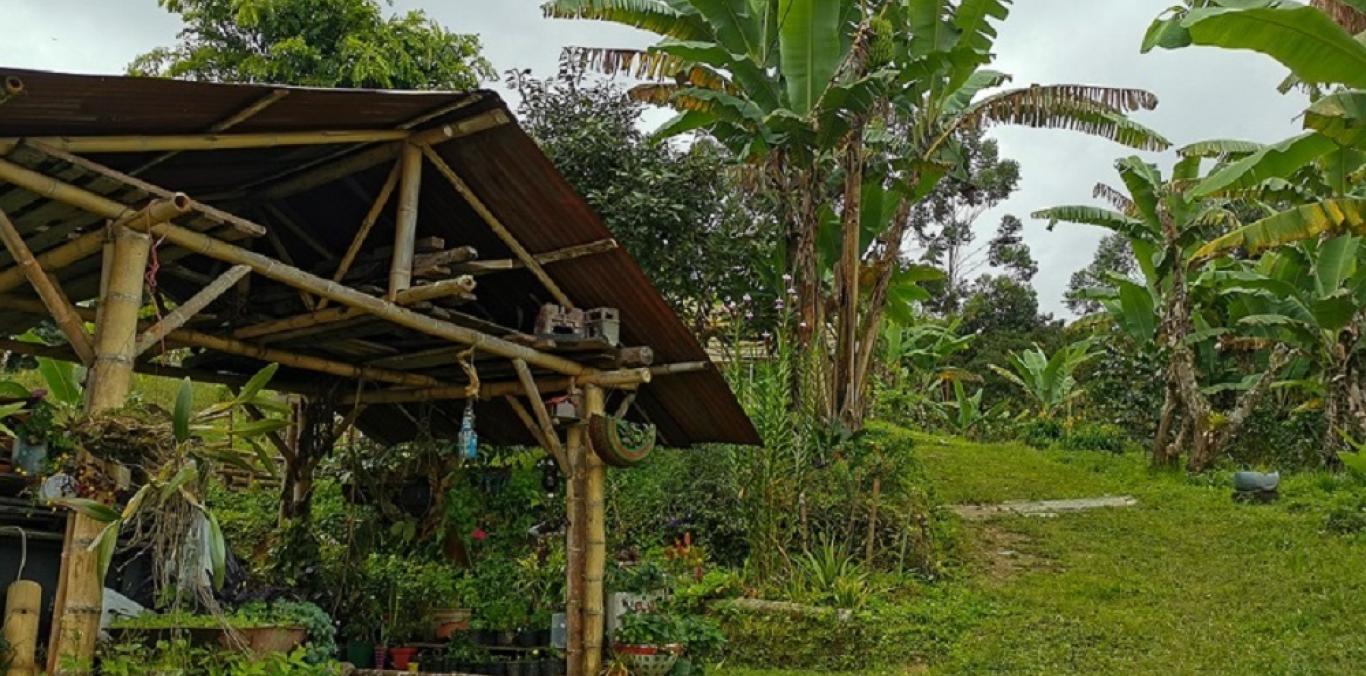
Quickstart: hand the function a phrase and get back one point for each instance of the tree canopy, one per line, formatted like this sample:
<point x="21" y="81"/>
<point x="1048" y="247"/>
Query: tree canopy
<point x="319" y="43"/>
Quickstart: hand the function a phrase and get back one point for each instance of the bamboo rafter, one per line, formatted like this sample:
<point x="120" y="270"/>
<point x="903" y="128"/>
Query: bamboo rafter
<point x="548" y="258"/>
<point x="450" y="287"/>
<point x="237" y="118"/>
<point x="49" y="291"/>
<point x="192" y="142"/>
<point x="625" y="378"/>
<point x="497" y="226"/>
<point x="376" y="208"/>
<point x="190" y="308"/>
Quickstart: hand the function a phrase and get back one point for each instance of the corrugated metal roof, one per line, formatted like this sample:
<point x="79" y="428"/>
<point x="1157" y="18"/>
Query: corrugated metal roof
<point x="502" y="165"/>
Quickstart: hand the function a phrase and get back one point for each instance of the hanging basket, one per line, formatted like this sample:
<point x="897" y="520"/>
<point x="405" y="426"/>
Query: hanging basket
<point x="605" y="437"/>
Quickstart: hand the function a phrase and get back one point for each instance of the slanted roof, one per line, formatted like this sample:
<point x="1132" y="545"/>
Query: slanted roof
<point x="314" y="216"/>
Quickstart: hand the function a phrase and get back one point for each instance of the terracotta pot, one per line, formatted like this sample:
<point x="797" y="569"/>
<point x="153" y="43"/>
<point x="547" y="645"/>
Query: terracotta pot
<point x="400" y="657"/>
<point x="446" y="622"/>
<point x="266" y="640"/>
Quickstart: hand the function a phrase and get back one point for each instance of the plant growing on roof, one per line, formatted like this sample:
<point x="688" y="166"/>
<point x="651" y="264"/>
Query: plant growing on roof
<point x="175" y="457"/>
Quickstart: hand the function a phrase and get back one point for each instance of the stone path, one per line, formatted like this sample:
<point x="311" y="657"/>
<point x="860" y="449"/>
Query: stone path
<point x="1041" y="508"/>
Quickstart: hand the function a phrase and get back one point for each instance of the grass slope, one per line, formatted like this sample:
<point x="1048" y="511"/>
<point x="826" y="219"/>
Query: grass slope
<point x="1186" y="582"/>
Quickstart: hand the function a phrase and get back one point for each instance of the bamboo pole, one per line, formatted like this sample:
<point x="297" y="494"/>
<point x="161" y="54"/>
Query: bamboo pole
<point x="391" y="312"/>
<point x="405" y="233"/>
<point x="557" y="256"/>
<point x="189" y="338"/>
<point x="444" y="289"/>
<point x="376" y="208"/>
<point x="340" y="314"/>
<point x="48" y="290"/>
<point x="189" y="142"/>
<point x="681" y="367"/>
<point x="595" y="541"/>
<point x="237" y="118"/>
<point x="192" y="307"/>
<point x="531" y="426"/>
<point x="575" y="533"/>
<point x="110" y="378"/>
<point x="239" y="225"/>
<point x="533" y="395"/>
<point x="23" y="601"/>
<point x="497" y="226"/>
<point x="92" y="242"/>
<point x="13" y="87"/>
<point x="487" y="391"/>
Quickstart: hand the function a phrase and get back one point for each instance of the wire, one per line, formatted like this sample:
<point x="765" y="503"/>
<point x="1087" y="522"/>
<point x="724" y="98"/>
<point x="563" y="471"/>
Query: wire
<point x="23" y="549"/>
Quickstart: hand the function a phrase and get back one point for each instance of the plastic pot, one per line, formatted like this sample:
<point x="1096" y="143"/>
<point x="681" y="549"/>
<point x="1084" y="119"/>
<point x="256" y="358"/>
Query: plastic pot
<point x="360" y="654"/>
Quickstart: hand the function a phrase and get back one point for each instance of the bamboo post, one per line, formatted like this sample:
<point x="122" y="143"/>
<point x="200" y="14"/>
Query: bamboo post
<point x="192" y="307"/>
<point x="497" y="226"/>
<point x="595" y="540"/>
<point x="575" y="534"/>
<point x="22" y="611"/>
<point x="109" y="382"/>
<point x="405" y="233"/>
<point x="56" y="301"/>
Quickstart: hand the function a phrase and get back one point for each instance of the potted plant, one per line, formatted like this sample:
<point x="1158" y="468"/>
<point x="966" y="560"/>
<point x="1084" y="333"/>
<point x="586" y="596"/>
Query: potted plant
<point x="648" y="642"/>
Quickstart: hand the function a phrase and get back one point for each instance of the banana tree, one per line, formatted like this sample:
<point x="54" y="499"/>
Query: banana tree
<point x="848" y="110"/>
<point x="1311" y="297"/>
<point x="1049" y="381"/>
<point x="1165" y="221"/>
<point x="1319" y="52"/>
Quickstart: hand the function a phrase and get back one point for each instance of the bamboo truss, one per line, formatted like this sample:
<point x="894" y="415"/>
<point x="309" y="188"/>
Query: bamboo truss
<point x="56" y="302"/>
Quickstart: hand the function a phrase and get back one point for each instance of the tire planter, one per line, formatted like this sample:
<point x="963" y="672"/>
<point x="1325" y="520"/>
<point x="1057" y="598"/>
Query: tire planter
<point x="604" y="436"/>
<point x="648" y="660"/>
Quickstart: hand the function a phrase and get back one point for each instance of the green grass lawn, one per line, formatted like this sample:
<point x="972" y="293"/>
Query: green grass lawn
<point x="1186" y="582"/>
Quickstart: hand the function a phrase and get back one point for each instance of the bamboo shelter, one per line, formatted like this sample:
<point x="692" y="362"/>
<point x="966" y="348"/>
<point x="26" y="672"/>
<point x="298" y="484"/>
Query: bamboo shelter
<point x="416" y="249"/>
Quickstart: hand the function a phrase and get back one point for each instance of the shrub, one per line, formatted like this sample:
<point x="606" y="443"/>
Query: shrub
<point x="1040" y="432"/>
<point x="1347" y="515"/>
<point x="1096" y="437"/>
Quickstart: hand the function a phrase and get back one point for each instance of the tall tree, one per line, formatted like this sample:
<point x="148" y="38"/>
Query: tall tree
<point x="678" y="210"/>
<point x="319" y="43"/>
<point x="850" y="111"/>
<point x="1113" y="258"/>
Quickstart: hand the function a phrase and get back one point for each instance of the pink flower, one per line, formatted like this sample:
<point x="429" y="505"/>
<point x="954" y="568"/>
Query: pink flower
<point x="479" y="534"/>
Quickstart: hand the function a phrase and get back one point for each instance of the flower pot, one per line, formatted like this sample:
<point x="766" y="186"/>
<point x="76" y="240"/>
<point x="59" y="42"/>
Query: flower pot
<point x="648" y="660"/>
<point x="552" y="666"/>
<point x="400" y="657"/>
<point x="381" y="655"/>
<point x="512" y="668"/>
<point x="529" y="638"/>
<point x="266" y="640"/>
<point x="447" y="621"/>
<point x="506" y="638"/>
<point x="362" y="655"/>
<point x="531" y="668"/>
<point x="484" y="637"/>
<point x="29" y="457"/>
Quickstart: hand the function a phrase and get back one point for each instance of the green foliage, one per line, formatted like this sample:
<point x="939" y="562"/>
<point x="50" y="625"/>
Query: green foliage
<point x="1049" y="381"/>
<point x="180" y="657"/>
<point x="1096" y="437"/>
<point x="318" y="43"/>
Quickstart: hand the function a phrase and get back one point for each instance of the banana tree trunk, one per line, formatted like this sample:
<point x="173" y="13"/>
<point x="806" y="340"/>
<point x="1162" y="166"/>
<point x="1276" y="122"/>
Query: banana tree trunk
<point x="1162" y="442"/>
<point x="848" y="386"/>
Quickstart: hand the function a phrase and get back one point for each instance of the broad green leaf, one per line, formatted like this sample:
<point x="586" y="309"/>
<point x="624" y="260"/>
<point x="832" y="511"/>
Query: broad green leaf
<point x="188" y="473"/>
<point x="256" y="428"/>
<point x="1103" y="218"/>
<point x="684" y="122"/>
<point x="12" y="390"/>
<point x="258" y="382"/>
<point x="1275" y="161"/>
<point x="1303" y="39"/>
<point x="655" y="16"/>
<point x="135" y="503"/>
<point x="95" y="510"/>
<point x="1335" y="312"/>
<point x="218" y="550"/>
<point x="1300" y="223"/>
<point x="60" y="378"/>
<point x="1220" y="148"/>
<point x="810" y="49"/>
<point x="1140" y="316"/>
<point x="1336" y="262"/>
<point x="104" y="545"/>
<point x="1340" y="116"/>
<point x="180" y="418"/>
<point x="264" y="459"/>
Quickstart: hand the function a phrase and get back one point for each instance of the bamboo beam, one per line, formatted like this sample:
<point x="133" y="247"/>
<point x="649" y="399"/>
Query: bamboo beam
<point x="531" y="426"/>
<point x="376" y="208"/>
<point x="595" y="541"/>
<point x="13" y="87"/>
<point x="279" y="246"/>
<point x="444" y="289"/>
<point x="681" y="367"/>
<point x="300" y="232"/>
<point x="508" y="239"/>
<point x="487" y="391"/>
<point x="189" y="338"/>
<point x="48" y="290"/>
<point x="190" y="142"/>
<point x="192" y="307"/>
<point x="237" y="118"/>
<point x="240" y="225"/>
<point x="557" y="256"/>
<point x="405" y="232"/>
<point x="391" y="312"/>
<point x="333" y="167"/>
<point x="533" y="395"/>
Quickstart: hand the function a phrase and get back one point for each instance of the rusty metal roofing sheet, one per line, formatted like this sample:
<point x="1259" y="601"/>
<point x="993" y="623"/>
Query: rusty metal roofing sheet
<point x="502" y="165"/>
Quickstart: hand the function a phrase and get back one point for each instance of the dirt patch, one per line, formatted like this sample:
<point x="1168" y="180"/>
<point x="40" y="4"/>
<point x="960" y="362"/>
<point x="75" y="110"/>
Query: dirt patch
<point x="1003" y="554"/>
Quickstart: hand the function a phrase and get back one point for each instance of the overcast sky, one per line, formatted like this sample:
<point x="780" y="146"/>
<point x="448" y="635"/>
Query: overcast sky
<point x="1205" y="93"/>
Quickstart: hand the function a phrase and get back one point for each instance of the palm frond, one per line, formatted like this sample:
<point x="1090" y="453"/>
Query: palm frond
<point x="1116" y="198"/>
<point x="1293" y="225"/>
<point x="1220" y="148"/>
<point x="637" y="63"/>
<point x="655" y="16"/>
